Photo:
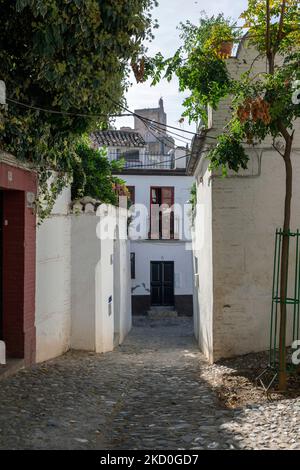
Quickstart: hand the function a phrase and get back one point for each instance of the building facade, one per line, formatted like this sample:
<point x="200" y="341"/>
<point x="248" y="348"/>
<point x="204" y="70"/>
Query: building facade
<point x="81" y="278"/>
<point x="18" y="188"/>
<point x="159" y="232"/>
<point x="61" y="285"/>
<point x="234" y="235"/>
<point x="153" y="129"/>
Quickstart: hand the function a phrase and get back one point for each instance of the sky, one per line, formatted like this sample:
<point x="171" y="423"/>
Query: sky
<point x="169" y="14"/>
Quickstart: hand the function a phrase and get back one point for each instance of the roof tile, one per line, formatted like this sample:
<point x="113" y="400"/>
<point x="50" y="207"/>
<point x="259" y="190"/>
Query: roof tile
<point x="115" y="138"/>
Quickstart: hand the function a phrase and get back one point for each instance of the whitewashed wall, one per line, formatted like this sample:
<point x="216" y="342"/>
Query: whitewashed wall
<point x="235" y="264"/>
<point x="122" y="284"/>
<point x="53" y="282"/>
<point x="75" y="278"/>
<point x="101" y="298"/>
<point x="85" y="256"/>
<point x="146" y="251"/>
<point x="104" y="311"/>
<point x="203" y="266"/>
<point x="246" y="213"/>
<point x="156" y="250"/>
<point x="143" y="183"/>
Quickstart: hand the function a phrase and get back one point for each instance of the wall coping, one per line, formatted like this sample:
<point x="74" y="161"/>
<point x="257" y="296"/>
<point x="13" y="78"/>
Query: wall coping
<point x="11" y="160"/>
<point x="89" y="205"/>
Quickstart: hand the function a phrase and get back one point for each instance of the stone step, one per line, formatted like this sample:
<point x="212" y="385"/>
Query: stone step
<point x="161" y="313"/>
<point x="11" y="368"/>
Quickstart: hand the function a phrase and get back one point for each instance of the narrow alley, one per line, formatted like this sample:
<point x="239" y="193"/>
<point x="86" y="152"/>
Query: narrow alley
<point x="148" y="394"/>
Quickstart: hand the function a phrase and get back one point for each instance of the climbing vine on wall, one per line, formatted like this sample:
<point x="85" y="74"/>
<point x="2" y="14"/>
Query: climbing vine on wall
<point x="93" y="175"/>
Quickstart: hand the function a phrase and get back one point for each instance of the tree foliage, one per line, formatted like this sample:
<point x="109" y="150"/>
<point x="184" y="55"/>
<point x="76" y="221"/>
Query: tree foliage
<point x="263" y="104"/>
<point x="199" y="64"/>
<point x="67" y="56"/>
<point x="93" y="175"/>
<point x="193" y="196"/>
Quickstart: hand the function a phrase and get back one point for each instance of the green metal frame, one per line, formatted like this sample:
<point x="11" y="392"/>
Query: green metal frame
<point x="290" y="300"/>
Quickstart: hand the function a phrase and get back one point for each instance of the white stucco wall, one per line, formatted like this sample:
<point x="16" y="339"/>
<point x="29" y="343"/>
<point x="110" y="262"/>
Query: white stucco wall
<point x="142" y="183"/>
<point x="85" y="256"/>
<point x="246" y="213"/>
<point x="75" y="277"/>
<point x="101" y="298"/>
<point x="240" y="219"/>
<point x="104" y="307"/>
<point x="203" y="266"/>
<point x="145" y="250"/>
<point x="53" y="283"/>
<point x="122" y="288"/>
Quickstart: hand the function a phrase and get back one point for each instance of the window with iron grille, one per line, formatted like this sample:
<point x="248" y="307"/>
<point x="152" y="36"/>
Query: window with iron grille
<point x="130" y="155"/>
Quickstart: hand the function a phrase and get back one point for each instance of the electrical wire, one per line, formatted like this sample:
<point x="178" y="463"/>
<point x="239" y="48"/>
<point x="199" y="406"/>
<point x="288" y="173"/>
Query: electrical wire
<point x="52" y="111"/>
<point x="149" y="123"/>
<point x="164" y="129"/>
<point x="77" y="114"/>
<point x="163" y="142"/>
<point x="195" y="134"/>
<point x="167" y="139"/>
<point x="130" y="113"/>
<point x="64" y="113"/>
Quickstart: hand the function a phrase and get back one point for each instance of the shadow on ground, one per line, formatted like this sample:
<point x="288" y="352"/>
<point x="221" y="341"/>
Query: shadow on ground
<point x="150" y="393"/>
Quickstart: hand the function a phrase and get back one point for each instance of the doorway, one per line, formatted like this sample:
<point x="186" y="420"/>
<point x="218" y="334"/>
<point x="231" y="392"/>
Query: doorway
<point x="18" y="187"/>
<point x="1" y="265"/>
<point x="162" y="283"/>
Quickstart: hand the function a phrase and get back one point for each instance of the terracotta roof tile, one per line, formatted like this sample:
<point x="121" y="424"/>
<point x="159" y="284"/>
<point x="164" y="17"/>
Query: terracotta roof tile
<point x="115" y="138"/>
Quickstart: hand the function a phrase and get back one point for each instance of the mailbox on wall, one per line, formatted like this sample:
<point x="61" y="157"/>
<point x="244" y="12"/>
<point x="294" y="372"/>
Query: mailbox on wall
<point x="109" y="305"/>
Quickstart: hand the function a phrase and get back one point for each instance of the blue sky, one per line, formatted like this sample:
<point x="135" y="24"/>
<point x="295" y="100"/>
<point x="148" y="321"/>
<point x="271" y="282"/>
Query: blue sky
<point x="169" y="14"/>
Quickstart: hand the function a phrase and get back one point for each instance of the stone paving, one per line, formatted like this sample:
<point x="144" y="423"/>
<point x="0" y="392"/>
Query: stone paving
<point x="148" y="394"/>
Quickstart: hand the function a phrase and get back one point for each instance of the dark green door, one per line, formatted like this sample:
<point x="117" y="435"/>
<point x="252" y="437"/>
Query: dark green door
<point x="162" y="283"/>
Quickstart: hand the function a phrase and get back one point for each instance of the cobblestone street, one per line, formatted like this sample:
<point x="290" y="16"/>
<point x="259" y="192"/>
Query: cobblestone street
<point x="148" y="394"/>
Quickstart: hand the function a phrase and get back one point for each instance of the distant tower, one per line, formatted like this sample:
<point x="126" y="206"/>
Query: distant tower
<point x="157" y="140"/>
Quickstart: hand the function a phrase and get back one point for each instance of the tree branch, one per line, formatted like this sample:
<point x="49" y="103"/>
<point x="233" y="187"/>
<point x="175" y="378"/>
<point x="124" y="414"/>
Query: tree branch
<point x="270" y="53"/>
<point x="268" y="36"/>
<point x="281" y="22"/>
<point x="284" y="132"/>
<point x="276" y="148"/>
<point x="254" y="60"/>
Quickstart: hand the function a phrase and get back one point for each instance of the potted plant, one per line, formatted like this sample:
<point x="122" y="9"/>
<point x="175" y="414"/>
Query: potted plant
<point x="201" y="64"/>
<point x="221" y="34"/>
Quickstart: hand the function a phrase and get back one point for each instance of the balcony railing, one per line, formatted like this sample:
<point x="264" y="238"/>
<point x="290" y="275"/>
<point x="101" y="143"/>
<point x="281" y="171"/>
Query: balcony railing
<point x="145" y="161"/>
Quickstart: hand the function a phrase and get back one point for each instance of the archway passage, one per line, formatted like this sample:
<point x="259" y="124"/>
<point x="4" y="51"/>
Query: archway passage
<point x="18" y="251"/>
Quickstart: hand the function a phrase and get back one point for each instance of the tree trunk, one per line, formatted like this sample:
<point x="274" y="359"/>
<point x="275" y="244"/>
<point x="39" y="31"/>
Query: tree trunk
<point x="284" y="265"/>
<point x="271" y="54"/>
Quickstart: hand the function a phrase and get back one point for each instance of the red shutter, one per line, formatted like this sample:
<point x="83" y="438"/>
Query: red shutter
<point x="161" y="227"/>
<point x="167" y="199"/>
